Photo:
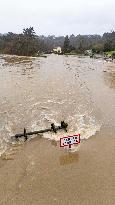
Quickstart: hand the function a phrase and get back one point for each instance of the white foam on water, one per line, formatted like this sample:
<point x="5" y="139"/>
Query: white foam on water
<point x="89" y="128"/>
<point x="54" y="101"/>
<point x="3" y="145"/>
<point x="85" y="126"/>
<point x="6" y="134"/>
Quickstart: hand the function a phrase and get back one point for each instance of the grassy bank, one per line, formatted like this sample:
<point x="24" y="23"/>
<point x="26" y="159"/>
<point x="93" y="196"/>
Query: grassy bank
<point x="110" y="53"/>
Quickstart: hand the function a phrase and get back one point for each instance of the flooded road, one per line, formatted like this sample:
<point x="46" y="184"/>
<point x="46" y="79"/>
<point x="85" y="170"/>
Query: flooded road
<point x="78" y="90"/>
<point x="42" y="91"/>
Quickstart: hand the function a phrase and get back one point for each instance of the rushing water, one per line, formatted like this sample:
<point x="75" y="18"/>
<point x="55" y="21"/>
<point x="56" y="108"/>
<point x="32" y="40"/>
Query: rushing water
<point x="36" y="93"/>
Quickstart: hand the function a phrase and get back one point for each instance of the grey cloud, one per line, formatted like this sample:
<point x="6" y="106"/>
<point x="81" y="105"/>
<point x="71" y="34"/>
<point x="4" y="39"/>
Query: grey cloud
<point x="58" y="17"/>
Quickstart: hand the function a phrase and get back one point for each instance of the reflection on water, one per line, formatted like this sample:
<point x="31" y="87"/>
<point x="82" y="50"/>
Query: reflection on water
<point x="54" y="143"/>
<point x="69" y="158"/>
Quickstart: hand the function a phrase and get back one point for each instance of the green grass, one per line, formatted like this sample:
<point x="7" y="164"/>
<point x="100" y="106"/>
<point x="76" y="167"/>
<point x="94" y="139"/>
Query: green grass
<point x="110" y="53"/>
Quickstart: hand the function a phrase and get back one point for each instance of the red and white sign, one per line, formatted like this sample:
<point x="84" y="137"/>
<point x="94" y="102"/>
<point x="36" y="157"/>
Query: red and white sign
<point x="69" y="140"/>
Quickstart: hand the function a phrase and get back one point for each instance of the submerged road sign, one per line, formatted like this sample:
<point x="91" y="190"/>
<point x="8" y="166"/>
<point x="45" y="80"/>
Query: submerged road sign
<point x="69" y="140"/>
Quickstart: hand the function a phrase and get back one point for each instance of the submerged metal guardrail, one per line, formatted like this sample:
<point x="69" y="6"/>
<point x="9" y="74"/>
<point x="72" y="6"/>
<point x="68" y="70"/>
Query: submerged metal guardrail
<point x="53" y="128"/>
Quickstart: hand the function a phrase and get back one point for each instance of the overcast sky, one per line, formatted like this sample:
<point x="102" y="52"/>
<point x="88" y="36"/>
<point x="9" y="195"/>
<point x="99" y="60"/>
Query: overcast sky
<point x="59" y="17"/>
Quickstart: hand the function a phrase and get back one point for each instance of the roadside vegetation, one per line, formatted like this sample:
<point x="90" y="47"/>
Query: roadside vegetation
<point x="28" y="43"/>
<point x="110" y="54"/>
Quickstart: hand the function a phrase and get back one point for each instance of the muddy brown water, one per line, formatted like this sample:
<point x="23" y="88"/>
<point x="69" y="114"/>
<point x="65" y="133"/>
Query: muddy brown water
<point x="34" y="94"/>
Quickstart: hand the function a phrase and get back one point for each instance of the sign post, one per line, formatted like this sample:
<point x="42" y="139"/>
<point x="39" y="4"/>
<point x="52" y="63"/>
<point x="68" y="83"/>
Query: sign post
<point x="69" y="140"/>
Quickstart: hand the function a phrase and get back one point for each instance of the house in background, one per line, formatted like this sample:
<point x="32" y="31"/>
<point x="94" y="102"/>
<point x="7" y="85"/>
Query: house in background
<point x="57" y="50"/>
<point x="88" y="52"/>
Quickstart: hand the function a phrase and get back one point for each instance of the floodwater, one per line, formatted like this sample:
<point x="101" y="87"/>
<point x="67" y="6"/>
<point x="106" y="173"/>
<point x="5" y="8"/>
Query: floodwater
<point x="35" y="93"/>
<point x="42" y="91"/>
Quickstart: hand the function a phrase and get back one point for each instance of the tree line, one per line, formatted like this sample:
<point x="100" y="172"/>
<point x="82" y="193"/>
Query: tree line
<point x="28" y="43"/>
